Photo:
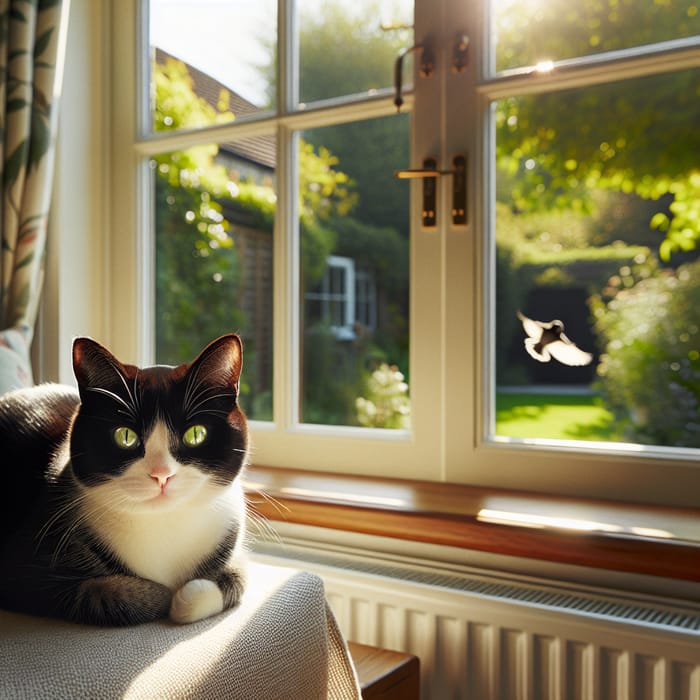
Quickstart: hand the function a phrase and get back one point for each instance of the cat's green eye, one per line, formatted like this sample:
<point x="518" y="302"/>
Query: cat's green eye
<point x="194" y="436"/>
<point x="126" y="438"/>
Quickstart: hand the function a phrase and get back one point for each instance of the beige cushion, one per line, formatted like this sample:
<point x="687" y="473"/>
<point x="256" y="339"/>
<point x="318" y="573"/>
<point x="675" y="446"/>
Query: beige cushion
<point x="281" y="642"/>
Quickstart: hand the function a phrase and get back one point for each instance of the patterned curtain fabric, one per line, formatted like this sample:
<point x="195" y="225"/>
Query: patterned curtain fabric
<point x="29" y="53"/>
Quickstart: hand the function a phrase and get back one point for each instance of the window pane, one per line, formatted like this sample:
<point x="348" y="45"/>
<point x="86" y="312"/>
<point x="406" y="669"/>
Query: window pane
<point x="598" y="225"/>
<point x="223" y="50"/>
<point x="527" y="32"/>
<point x="354" y="219"/>
<point x="215" y="208"/>
<point x="343" y="49"/>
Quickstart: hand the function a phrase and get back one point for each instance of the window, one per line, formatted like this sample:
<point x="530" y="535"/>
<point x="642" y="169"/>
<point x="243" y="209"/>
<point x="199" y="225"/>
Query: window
<point x="344" y="299"/>
<point x="582" y="186"/>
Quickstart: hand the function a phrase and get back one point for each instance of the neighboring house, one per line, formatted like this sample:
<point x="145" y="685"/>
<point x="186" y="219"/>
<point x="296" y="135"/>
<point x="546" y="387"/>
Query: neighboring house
<point x="346" y="297"/>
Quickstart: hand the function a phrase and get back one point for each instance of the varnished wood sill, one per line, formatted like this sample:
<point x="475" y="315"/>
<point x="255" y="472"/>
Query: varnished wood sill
<point x="606" y="535"/>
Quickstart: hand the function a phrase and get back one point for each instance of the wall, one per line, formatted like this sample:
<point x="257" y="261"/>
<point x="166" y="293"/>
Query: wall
<point x="76" y="269"/>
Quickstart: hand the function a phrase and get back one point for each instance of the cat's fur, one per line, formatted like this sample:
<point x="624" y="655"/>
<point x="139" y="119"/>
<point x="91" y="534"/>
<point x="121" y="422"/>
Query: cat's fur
<point x="106" y="534"/>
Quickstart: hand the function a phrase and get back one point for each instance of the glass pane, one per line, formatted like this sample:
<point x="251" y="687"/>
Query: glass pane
<point x="528" y="32"/>
<point x="215" y="209"/>
<point x="349" y="47"/>
<point x="598" y="225"/>
<point x="222" y="50"/>
<point x="354" y="225"/>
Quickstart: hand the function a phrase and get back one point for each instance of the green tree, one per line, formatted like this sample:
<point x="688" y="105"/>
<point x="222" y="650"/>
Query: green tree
<point x="345" y="53"/>
<point x="633" y="136"/>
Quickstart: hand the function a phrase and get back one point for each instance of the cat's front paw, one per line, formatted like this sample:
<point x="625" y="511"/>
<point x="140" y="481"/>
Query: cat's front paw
<point x="119" y="600"/>
<point x="196" y="600"/>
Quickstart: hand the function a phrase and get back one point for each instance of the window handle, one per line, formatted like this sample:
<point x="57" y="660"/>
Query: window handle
<point x="460" y="54"/>
<point x="427" y="66"/>
<point x="429" y="173"/>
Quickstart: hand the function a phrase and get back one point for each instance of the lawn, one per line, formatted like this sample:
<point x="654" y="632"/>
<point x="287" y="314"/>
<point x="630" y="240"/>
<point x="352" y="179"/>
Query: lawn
<point x="553" y="416"/>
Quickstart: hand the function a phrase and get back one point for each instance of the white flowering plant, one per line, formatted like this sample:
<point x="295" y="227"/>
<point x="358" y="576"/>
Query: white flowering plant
<point x="386" y="403"/>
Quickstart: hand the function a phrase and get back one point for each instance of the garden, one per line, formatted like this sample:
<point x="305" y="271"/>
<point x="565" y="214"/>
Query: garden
<point x="597" y="223"/>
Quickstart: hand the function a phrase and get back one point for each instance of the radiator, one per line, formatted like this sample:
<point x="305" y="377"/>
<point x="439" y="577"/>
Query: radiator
<point x="491" y="639"/>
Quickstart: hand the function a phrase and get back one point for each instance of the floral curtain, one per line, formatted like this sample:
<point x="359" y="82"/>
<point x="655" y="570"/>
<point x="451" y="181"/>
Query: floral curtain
<point x="30" y="45"/>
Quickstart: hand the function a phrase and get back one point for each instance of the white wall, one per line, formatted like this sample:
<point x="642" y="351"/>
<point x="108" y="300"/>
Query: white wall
<point x="76" y="274"/>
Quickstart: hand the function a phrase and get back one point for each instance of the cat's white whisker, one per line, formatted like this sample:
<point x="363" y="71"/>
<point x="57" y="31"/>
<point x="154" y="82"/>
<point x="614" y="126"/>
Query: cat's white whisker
<point x="262" y="525"/>
<point x="118" y="370"/>
<point x="115" y="397"/>
<point x="62" y="510"/>
<point x="280" y="507"/>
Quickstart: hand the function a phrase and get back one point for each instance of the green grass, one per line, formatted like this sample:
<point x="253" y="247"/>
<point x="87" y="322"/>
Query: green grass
<point x="553" y="417"/>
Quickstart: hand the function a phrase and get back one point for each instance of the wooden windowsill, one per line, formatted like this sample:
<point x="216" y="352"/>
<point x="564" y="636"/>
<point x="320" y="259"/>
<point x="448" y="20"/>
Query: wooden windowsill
<point x="647" y="540"/>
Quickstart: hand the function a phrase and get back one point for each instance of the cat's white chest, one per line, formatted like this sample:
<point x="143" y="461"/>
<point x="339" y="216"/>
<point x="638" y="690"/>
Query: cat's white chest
<point x="167" y="545"/>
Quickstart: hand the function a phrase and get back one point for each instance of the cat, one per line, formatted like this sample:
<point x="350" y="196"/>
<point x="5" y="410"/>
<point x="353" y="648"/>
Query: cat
<point x="123" y="502"/>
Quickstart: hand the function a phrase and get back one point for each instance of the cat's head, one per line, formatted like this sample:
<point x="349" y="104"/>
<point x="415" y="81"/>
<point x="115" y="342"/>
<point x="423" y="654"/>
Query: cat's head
<point x="158" y="436"/>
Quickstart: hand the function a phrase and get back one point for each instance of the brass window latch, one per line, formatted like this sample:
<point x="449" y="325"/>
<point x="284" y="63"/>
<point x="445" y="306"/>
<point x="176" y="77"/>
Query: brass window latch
<point x="426" y="67"/>
<point x="429" y="174"/>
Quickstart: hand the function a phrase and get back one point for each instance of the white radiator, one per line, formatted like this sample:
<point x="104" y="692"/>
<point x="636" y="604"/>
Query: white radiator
<point x="482" y="639"/>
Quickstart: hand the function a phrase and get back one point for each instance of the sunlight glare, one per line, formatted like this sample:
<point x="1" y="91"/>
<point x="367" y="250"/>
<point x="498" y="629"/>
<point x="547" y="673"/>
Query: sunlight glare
<point x="502" y="517"/>
<point x="544" y="66"/>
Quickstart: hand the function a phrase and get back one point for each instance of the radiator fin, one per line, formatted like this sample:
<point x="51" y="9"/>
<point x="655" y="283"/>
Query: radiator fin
<point x="571" y="601"/>
<point x="493" y="640"/>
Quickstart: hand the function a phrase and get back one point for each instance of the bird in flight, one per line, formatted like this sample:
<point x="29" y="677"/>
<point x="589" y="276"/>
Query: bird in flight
<point x="546" y="340"/>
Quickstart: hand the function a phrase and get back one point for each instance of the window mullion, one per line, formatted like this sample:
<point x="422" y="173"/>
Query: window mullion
<point x="287" y="57"/>
<point x="464" y="123"/>
<point x="286" y="284"/>
<point x="285" y="237"/>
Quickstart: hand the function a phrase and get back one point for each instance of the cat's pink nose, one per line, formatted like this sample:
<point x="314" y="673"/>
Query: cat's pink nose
<point x="161" y="474"/>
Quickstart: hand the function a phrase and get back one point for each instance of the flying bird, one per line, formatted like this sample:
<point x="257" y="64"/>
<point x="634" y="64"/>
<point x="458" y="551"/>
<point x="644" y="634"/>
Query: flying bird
<point x="546" y="340"/>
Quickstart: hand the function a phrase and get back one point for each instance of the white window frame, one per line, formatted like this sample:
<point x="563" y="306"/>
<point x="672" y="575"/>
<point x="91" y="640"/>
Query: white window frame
<point x="450" y="317"/>
<point x="327" y="297"/>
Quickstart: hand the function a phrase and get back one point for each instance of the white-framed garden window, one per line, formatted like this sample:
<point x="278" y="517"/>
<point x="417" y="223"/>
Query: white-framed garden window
<point x="344" y="299"/>
<point x="470" y="100"/>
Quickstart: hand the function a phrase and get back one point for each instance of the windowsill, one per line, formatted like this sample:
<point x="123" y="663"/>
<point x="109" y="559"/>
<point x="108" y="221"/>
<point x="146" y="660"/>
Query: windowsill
<point x="605" y="535"/>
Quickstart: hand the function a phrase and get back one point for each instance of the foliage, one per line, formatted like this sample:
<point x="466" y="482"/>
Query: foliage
<point x="529" y="32"/>
<point x="382" y="198"/>
<point x="324" y="191"/>
<point x="332" y="378"/>
<point x="379" y="248"/>
<point x="198" y="209"/>
<point x="344" y="53"/>
<point x="174" y="107"/>
<point x="198" y="268"/>
<point x="650" y="370"/>
<point x="633" y="136"/>
<point x="325" y="196"/>
<point x="194" y="249"/>
<point x="386" y="403"/>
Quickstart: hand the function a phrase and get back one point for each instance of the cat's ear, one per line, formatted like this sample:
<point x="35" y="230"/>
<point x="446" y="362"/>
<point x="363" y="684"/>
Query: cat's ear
<point x="220" y="362"/>
<point x="94" y="365"/>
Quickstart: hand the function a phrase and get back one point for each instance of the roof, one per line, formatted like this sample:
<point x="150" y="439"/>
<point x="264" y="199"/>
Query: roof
<point x="259" y="150"/>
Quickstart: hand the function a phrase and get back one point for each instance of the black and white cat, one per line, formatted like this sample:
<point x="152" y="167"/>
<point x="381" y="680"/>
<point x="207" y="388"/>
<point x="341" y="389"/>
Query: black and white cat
<point x="123" y="503"/>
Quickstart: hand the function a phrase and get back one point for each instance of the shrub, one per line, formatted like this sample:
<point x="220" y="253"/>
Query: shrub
<point x="649" y="372"/>
<point x="386" y="404"/>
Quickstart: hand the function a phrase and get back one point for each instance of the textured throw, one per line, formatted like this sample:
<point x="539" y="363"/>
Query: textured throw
<point x="282" y="642"/>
